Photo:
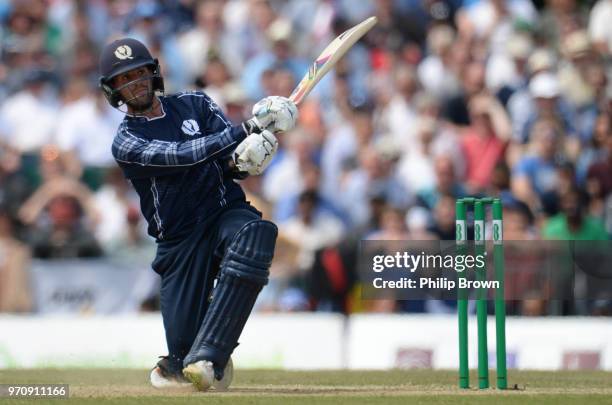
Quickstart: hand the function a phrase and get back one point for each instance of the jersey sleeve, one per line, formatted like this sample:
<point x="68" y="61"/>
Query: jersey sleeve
<point x="215" y="119"/>
<point x="158" y="157"/>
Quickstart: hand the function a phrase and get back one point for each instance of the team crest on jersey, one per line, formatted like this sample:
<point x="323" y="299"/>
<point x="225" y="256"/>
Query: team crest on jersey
<point x="190" y="127"/>
<point x="123" y="52"/>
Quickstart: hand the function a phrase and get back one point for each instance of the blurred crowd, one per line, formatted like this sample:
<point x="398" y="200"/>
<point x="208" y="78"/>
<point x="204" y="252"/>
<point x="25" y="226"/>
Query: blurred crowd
<point x="442" y="99"/>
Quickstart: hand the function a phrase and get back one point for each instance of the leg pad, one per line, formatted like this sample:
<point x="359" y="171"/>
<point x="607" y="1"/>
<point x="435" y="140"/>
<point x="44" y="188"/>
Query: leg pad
<point x="244" y="271"/>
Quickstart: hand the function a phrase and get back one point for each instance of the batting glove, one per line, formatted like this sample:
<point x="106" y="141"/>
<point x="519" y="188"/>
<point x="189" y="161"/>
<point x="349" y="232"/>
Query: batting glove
<point x="254" y="154"/>
<point x="275" y="113"/>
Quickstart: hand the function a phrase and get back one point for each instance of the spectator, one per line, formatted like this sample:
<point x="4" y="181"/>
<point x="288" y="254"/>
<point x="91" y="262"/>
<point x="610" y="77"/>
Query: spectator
<point x="455" y="109"/>
<point x="507" y="71"/>
<point x="500" y="181"/>
<point x="520" y="103"/>
<point x="600" y="30"/>
<point x="285" y="176"/>
<point x="280" y="80"/>
<point x="483" y="143"/>
<point x="145" y="22"/>
<point x="581" y="81"/>
<point x="14" y="186"/>
<point x="134" y="246"/>
<point x="207" y="40"/>
<point x="398" y="27"/>
<point x="596" y="150"/>
<point x="518" y="220"/>
<point x="398" y="115"/>
<point x="115" y="203"/>
<point x="573" y="81"/>
<point x="547" y="104"/>
<point x="288" y="205"/>
<point x="312" y="229"/>
<point x="446" y="183"/>
<point x="535" y="178"/>
<point x="561" y="18"/>
<point x="331" y="283"/>
<point x="416" y="166"/>
<point x="343" y="144"/>
<point x="574" y="222"/>
<point x="418" y="222"/>
<point x="280" y="56"/>
<point x="491" y="21"/>
<point x="64" y="236"/>
<point x="392" y="226"/>
<point x="85" y="155"/>
<point x="60" y="215"/>
<point x="30" y="28"/>
<point x="214" y="79"/>
<point x="374" y="178"/>
<point x="443" y="225"/>
<point x="235" y="102"/>
<point x="15" y="291"/>
<point x="36" y="99"/>
<point x="599" y="184"/>
<point x="434" y="71"/>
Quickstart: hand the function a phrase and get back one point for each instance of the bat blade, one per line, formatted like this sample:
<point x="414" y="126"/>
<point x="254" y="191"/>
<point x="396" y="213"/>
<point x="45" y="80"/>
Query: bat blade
<point x="328" y="58"/>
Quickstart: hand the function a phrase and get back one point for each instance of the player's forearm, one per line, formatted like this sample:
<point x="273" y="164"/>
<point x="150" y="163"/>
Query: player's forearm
<point x="133" y="149"/>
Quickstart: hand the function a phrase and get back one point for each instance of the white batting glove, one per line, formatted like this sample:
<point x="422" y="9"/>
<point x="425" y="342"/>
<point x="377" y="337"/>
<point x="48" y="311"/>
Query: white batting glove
<point x="275" y="113"/>
<point x="254" y="154"/>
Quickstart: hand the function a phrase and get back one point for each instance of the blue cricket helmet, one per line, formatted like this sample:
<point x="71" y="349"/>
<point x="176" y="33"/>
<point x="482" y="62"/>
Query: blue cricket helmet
<point x="121" y="56"/>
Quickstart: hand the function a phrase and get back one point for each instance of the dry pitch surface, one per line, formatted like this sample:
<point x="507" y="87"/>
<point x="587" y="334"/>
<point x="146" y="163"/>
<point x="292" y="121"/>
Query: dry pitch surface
<point x="321" y="387"/>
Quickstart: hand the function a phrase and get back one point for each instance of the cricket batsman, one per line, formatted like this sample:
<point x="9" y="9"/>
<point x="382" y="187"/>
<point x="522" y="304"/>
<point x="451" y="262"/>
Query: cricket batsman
<point x="182" y="155"/>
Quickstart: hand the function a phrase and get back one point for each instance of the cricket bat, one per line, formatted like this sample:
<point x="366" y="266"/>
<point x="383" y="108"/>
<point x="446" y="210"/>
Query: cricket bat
<point x="328" y="58"/>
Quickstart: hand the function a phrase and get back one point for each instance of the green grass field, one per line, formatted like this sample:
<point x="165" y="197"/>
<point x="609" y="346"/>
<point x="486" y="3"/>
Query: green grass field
<point x="322" y="387"/>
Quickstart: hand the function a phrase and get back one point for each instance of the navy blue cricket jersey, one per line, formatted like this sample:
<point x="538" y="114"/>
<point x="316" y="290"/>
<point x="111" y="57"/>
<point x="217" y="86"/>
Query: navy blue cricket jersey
<point x="178" y="163"/>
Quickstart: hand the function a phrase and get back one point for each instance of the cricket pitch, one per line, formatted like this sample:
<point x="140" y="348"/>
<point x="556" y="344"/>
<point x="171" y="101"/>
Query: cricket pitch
<point x="120" y="386"/>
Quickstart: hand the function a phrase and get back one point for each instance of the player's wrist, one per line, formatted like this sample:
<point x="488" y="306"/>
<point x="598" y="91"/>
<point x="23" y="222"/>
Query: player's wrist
<point x="252" y="126"/>
<point x="232" y="170"/>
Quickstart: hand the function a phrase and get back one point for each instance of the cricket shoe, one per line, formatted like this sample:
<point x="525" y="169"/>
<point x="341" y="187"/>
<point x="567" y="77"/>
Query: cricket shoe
<point x="203" y="375"/>
<point x="161" y="377"/>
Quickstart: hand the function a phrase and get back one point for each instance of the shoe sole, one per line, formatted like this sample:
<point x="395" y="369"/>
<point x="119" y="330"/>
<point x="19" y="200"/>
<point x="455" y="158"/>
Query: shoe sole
<point x="158" y="381"/>
<point x="194" y="374"/>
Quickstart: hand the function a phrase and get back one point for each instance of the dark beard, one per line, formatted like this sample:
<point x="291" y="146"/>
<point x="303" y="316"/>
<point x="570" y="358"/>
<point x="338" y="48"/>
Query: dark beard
<point x="138" y="104"/>
<point x="142" y="103"/>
